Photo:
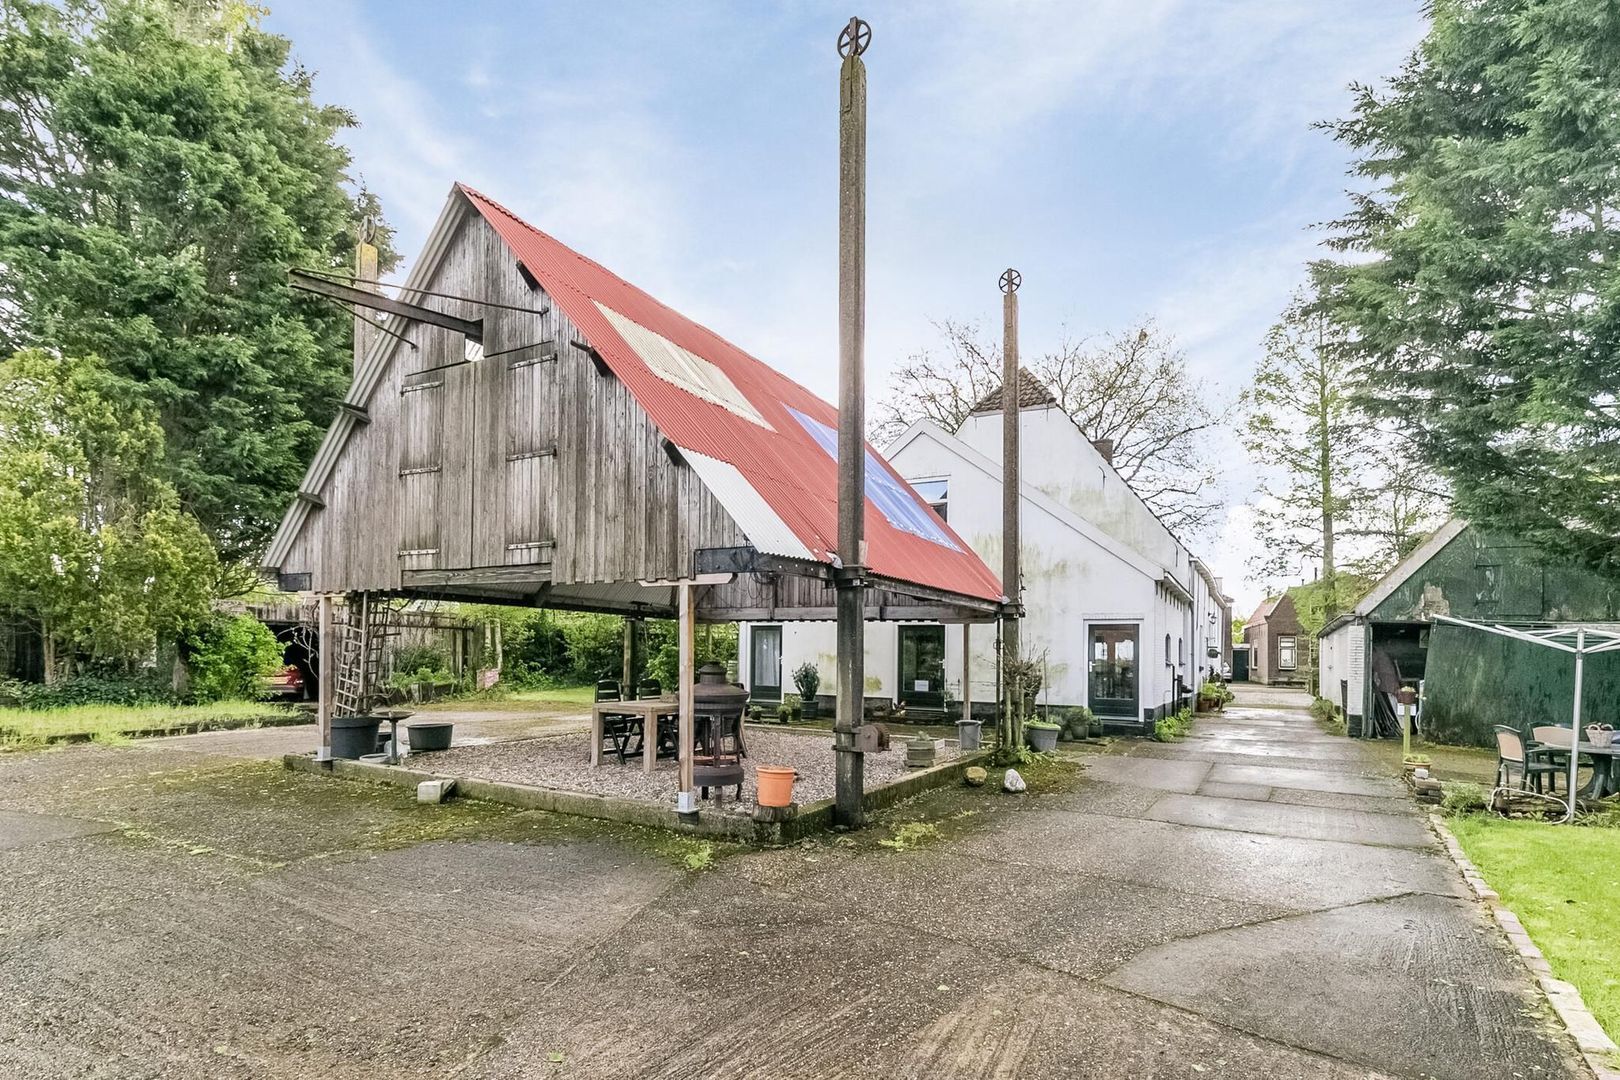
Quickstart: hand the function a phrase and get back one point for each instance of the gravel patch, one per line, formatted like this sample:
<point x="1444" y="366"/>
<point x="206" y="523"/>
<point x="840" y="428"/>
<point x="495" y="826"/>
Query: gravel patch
<point x="562" y="761"/>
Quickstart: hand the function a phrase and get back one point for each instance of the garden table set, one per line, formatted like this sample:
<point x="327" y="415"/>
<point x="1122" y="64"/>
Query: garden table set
<point x="1605" y="779"/>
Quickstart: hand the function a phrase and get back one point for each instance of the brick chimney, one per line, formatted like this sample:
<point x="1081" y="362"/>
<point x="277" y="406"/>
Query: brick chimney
<point x="1105" y="447"/>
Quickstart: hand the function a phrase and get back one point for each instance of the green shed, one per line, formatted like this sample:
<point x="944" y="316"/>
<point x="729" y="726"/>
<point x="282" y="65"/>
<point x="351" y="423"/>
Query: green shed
<point x="1471" y="680"/>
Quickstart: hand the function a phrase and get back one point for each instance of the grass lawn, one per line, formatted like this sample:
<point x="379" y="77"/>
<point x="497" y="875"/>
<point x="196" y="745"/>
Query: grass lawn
<point x="1564" y="884"/>
<point x="110" y="723"/>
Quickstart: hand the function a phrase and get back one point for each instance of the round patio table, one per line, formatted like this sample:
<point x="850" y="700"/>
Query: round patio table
<point x="1605" y="770"/>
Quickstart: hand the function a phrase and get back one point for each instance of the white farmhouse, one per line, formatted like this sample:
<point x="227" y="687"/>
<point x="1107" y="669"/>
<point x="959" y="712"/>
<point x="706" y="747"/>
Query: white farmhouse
<point x="1129" y="622"/>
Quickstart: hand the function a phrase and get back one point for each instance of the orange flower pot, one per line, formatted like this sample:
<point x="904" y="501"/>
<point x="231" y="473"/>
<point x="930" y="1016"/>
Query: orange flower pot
<point x="776" y="785"/>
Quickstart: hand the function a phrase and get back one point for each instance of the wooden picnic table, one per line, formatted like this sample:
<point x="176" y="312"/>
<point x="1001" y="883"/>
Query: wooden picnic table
<point x="649" y="711"/>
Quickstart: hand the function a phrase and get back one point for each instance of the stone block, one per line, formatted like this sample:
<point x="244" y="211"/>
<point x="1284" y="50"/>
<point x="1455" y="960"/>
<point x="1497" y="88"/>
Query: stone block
<point x="434" y="791"/>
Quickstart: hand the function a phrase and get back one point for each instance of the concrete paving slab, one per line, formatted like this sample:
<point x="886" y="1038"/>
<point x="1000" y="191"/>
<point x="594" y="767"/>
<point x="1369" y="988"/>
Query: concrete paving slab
<point x="1192" y="751"/>
<point x="1148" y="773"/>
<point x="1430" y="991"/>
<point x="1219" y="790"/>
<point x="243" y="743"/>
<point x="1283" y="819"/>
<point x="1290" y="872"/>
<point x="1306" y="779"/>
<point x="861" y="1001"/>
<point x="21" y="830"/>
<point x="1371" y="804"/>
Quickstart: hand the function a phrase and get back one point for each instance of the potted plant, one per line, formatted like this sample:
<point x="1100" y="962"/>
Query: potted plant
<point x="808" y="679"/>
<point x="788" y="711"/>
<point x="1042" y="735"/>
<point x="1079" y="721"/>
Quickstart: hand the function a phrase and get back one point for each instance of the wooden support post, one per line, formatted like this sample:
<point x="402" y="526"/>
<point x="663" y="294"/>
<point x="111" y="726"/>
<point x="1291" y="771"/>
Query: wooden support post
<point x="967" y="674"/>
<point x="628" y="682"/>
<point x="1012" y="706"/>
<point x="850" y="779"/>
<point x="325" y="659"/>
<point x="686" y="643"/>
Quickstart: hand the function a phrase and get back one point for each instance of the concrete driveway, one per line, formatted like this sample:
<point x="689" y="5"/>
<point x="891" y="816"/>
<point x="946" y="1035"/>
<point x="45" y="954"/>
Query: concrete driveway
<point x="1252" y="902"/>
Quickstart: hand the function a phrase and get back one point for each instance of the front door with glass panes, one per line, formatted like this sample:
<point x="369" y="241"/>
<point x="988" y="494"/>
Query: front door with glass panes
<point x="922" y="666"/>
<point x="765" y="664"/>
<point x="1112" y="678"/>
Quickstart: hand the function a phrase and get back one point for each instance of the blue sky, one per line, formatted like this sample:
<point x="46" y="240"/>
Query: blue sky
<point x="1130" y="158"/>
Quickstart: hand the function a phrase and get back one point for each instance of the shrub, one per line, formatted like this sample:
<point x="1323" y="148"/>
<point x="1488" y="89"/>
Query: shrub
<point x="1458" y="797"/>
<point x="1173" y="726"/>
<point x="716" y="643"/>
<point x="1078" y="720"/>
<point x="228" y="655"/>
<point x="1044" y="725"/>
<point x="807" y="677"/>
<point x="420" y="658"/>
<point x="595" y="645"/>
<point x="91" y="688"/>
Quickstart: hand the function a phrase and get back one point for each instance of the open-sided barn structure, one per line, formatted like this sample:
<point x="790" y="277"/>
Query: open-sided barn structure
<point x="529" y="428"/>
<point x="601" y="448"/>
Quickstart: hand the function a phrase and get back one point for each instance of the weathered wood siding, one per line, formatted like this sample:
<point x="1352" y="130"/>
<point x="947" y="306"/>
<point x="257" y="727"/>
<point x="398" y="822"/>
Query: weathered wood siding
<point x="528" y="457"/>
<point x="1490" y="578"/>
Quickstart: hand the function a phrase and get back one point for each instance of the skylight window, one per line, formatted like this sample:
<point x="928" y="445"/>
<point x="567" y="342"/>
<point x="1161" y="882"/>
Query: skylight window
<point x="894" y="502"/>
<point x="683" y="368"/>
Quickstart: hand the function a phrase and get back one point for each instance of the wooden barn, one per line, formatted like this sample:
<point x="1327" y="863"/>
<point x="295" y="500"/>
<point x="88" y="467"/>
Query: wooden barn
<point x="525" y="427"/>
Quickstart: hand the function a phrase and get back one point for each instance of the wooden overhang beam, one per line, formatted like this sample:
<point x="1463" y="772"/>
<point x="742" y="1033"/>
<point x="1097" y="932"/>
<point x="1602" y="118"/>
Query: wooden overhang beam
<point x="942" y="604"/>
<point x="472" y="328"/>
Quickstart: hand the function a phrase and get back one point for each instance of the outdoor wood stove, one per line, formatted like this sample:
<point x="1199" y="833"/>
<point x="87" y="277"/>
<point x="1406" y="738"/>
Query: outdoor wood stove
<point x="717" y="712"/>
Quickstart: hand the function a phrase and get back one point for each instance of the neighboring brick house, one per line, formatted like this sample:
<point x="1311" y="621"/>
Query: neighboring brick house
<point x="1277" y="645"/>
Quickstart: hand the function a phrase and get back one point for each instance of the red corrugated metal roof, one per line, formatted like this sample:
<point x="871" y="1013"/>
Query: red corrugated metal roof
<point x="785" y="465"/>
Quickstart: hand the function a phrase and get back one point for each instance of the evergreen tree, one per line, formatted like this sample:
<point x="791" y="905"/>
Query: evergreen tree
<point x="162" y="165"/>
<point x="94" y="548"/>
<point x="1485" y="300"/>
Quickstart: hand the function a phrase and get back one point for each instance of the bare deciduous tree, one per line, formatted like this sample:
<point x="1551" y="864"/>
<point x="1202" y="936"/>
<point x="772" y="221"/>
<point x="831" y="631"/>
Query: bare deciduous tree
<point x="1132" y="387"/>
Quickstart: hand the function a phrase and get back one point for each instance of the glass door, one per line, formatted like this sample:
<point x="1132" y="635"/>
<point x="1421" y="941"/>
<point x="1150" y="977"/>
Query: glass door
<point x="1112" y="680"/>
<point x="765" y="664"/>
<point x="922" y="666"/>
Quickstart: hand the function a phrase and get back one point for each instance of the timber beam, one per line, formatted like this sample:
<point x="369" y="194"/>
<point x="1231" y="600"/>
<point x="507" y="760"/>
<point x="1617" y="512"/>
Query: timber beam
<point x="299" y="279"/>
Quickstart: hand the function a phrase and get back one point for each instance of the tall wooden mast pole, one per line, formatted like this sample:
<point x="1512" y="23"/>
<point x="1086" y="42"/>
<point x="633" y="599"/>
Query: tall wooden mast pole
<point x="1012" y="689"/>
<point x="850" y="580"/>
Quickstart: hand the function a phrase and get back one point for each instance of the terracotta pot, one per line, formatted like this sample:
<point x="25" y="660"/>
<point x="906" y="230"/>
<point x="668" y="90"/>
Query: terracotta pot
<point x="775" y="785"/>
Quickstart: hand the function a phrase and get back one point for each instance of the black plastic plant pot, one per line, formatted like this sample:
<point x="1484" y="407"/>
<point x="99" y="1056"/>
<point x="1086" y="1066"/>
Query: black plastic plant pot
<point x="429" y="736"/>
<point x="353" y="736"/>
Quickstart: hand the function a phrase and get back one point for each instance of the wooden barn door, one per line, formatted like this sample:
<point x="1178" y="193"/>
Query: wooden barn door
<point x="421" y="469"/>
<point x="436" y="466"/>
<point x="515" y="451"/>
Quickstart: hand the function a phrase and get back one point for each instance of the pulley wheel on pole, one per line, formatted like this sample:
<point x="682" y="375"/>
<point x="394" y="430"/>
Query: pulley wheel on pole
<point x="855" y="38"/>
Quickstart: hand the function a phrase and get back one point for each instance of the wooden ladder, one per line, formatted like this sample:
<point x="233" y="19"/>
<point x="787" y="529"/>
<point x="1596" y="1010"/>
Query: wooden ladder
<point x="368" y="625"/>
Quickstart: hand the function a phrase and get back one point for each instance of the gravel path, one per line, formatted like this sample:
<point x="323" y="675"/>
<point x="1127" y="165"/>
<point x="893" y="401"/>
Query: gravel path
<point x="561" y="761"/>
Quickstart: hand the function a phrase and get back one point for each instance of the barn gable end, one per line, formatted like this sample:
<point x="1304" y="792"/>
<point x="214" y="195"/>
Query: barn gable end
<point x="479" y="472"/>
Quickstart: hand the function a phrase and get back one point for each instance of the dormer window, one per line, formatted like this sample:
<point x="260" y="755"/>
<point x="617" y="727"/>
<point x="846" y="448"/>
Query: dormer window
<point x="935" y="493"/>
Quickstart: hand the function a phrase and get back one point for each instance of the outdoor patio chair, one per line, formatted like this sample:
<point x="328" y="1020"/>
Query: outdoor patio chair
<point x="1553" y="740"/>
<point x="1512" y="756"/>
<point x="650" y="689"/>
<point x="618" y="730"/>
